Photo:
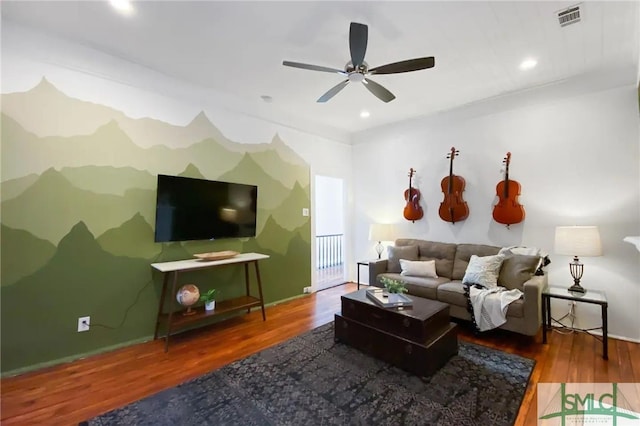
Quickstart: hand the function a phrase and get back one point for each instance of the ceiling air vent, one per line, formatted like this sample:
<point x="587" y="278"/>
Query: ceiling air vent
<point x="569" y="16"/>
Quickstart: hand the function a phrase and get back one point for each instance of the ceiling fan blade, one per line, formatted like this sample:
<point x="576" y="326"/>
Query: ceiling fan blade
<point x="405" y="66"/>
<point x="379" y="91"/>
<point x="358" y="37"/>
<point x="313" y="67"/>
<point x="333" y="91"/>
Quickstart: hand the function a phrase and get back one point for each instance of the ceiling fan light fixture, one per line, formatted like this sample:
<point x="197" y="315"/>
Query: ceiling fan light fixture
<point x="356" y="77"/>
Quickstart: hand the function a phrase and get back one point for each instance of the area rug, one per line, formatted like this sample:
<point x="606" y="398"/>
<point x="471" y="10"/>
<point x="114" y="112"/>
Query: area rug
<point x="312" y="380"/>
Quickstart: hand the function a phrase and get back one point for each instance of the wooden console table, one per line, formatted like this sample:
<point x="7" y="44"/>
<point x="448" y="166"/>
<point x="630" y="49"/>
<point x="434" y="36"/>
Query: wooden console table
<point x="174" y="320"/>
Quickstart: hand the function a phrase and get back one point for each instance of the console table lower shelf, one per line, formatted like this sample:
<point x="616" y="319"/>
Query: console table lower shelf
<point x="175" y="321"/>
<point x="180" y="321"/>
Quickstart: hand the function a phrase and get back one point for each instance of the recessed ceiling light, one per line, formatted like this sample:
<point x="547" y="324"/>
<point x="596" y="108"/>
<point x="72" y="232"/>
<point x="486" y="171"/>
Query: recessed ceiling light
<point x="122" y="6"/>
<point x="528" y="63"/>
<point x="364" y="114"/>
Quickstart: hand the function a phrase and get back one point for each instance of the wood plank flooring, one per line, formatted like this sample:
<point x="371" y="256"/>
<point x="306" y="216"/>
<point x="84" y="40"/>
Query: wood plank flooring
<point x="72" y="392"/>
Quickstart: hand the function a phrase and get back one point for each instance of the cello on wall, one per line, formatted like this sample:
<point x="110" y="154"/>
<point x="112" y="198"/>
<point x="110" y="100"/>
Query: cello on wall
<point x="508" y="210"/>
<point x="412" y="210"/>
<point x="453" y="208"/>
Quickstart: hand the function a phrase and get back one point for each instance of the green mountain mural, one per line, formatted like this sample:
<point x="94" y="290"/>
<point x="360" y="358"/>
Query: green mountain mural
<point x="134" y="238"/>
<point x="54" y="116"/>
<point x="271" y="193"/>
<point x="22" y="254"/>
<point x="192" y="172"/>
<point x="109" y="180"/>
<point x="12" y="188"/>
<point x="289" y="213"/>
<point x="51" y="206"/>
<point x="49" y="112"/>
<point x="89" y="187"/>
<point x="271" y="162"/>
<point x="284" y="274"/>
<point x="109" y="145"/>
<point x="80" y="279"/>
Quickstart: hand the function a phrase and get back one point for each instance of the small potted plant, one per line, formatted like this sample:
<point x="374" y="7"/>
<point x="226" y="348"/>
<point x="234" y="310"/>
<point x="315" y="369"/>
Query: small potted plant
<point x="209" y="299"/>
<point x="394" y="288"/>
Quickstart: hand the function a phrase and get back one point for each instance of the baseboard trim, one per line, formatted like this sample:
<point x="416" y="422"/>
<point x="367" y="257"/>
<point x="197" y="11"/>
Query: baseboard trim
<point x="611" y="336"/>
<point x="71" y="358"/>
<point x="626" y="339"/>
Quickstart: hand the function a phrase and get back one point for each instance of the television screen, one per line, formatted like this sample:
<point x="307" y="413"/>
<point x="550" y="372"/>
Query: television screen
<point x="199" y="209"/>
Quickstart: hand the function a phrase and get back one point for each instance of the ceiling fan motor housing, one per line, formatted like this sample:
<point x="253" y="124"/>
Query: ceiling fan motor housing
<point x="356" y="75"/>
<point x="358" y="38"/>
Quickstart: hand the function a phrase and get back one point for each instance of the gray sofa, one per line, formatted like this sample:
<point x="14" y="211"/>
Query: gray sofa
<point x="451" y="260"/>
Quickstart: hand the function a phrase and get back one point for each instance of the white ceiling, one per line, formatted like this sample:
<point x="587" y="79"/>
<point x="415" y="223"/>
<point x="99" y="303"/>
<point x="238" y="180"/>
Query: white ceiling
<point x="238" y="48"/>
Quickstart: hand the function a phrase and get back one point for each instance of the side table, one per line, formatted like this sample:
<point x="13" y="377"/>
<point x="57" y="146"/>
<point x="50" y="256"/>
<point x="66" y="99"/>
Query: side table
<point x="591" y="296"/>
<point x="361" y="263"/>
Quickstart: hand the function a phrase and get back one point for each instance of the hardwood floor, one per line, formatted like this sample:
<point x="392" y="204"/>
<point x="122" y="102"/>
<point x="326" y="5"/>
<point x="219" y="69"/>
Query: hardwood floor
<point x="69" y="393"/>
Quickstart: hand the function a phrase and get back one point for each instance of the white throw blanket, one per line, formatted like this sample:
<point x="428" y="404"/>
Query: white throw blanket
<point x="490" y="305"/>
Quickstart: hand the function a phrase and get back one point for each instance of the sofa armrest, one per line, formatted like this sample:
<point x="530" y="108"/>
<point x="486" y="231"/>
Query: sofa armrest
<point x="532" y="290"/>
<point x="376" y="267"/>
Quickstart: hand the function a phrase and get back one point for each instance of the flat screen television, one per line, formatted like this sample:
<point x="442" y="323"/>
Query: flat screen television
<point x="200" y="209"/>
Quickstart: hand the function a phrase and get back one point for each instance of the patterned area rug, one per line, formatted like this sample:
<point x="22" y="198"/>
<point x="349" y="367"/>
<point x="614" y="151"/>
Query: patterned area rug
<point x="311" y="380"/>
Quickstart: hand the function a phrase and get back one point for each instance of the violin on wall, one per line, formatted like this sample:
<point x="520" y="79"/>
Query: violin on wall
<point x="453" y="208"/>
<point x="508" y="210"/>
<point x="412" y="210"/>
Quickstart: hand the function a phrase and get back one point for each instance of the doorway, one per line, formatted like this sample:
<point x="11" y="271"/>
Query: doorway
<point x="329" y="225"/>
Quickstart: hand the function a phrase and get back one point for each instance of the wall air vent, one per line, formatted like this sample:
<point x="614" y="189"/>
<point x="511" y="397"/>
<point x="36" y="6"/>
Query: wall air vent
<point x="569" y="16"/>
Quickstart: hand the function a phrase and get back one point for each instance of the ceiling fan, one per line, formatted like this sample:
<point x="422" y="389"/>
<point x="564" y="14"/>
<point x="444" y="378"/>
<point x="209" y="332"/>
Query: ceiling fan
<point x="357" y="69"/>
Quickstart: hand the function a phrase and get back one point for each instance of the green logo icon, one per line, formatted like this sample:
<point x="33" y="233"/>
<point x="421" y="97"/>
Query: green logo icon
<point x="607" y="403"/>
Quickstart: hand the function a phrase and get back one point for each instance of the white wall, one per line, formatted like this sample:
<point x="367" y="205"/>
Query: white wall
<point x="577" y="159"/>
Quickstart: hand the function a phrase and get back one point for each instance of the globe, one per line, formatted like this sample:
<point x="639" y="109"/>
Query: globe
<point x="187" y="295"/>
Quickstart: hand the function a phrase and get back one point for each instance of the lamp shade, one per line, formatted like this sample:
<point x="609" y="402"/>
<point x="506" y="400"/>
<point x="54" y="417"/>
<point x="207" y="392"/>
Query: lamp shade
<point x="381" y="232"/>
<point x="578" y="241"/>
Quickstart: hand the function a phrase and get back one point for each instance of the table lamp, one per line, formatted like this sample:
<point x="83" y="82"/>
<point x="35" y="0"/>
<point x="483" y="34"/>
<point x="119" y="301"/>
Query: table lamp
<point x="380" y="232"/>
<point x="577" y="241"/>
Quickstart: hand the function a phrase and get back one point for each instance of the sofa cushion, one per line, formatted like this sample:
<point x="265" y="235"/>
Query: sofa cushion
<point x="442" y="253"/>
<point x="400" y="252"/>
<point x="516" y="270"/>
<point x="418" y="268"/>
<point x="453" y="294"/>
<point x="417" y="286"/>
<point x="463" y="254"/>
<point x="528" y="251"/>
<point x="483" y="270"/>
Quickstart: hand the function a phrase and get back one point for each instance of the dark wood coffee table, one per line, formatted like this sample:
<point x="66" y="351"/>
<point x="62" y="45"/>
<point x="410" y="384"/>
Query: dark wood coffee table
<point x="419" y="339"/>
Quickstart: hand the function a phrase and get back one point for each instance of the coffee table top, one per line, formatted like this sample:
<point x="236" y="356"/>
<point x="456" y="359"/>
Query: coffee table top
<point x="421" y="309"/>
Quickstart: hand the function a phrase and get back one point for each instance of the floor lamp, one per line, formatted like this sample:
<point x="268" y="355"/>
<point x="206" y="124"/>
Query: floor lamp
<point x="380" y="232"/>
<point x="577" y="241"/>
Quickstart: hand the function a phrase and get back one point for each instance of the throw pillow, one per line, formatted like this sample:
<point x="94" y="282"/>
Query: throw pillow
<point x="418" y="268"/>
<point x="529" y="251"/>
<point x="400" y="252"/>
<point x="483" y="270"/>
<point x="516" y="270"/>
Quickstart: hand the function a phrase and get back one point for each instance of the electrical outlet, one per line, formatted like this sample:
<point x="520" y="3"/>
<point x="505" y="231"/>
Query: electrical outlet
<point x="305" y="212"/>
<point x="306" y="290"/>
<point x="83" y="324"/>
